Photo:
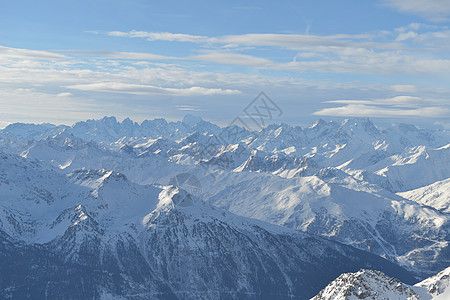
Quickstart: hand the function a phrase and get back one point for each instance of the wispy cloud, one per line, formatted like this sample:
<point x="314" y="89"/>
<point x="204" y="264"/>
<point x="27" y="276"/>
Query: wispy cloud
<point x="231" y="58"/>
<point x="187" y="108"/>
<point x="399" y="106"/>
<point x="162" y="36"/>
<point x="288" y="41"/>
<point x="64" y="94"/>
<point x="362" y="110"/>
<point x="404" y="88"/>
<point x="404" y="50"/>
<point x="236" y="67"/>
<point x="434" y="10"/>
<point x="302" y="41"/>
<point x="141" y="89"/>
<point x="7" y="52"/>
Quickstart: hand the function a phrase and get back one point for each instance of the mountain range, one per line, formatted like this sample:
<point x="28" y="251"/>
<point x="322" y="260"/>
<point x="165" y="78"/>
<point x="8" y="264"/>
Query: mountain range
<point x="192" y="210"/>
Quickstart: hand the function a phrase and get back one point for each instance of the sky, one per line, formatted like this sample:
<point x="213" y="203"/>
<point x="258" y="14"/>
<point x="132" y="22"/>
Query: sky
<point x="66" y="61"/>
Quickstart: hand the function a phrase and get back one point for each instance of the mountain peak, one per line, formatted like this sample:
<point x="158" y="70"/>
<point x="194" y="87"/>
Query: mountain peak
<point x="109" y="120"/>
<point x="317" y="124"/>
<point x="366" y="284"/>
<point x="127" y="122"/>
<point x="364" y="124"/>
<point x="191" y="120"/>
<point x="174" y="196"/>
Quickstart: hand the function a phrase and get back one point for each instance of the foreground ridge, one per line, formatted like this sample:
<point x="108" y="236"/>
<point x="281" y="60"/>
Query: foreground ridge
<point x="371" y="284"/>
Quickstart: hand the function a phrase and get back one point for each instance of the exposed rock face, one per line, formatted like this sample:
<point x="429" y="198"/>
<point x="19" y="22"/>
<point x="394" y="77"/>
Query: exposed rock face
<point x="366" y="284"/>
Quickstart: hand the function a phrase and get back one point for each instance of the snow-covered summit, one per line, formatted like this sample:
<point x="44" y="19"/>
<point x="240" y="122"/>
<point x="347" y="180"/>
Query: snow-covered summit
<point x="366" y="284"/>
<point x="374" y="285"/>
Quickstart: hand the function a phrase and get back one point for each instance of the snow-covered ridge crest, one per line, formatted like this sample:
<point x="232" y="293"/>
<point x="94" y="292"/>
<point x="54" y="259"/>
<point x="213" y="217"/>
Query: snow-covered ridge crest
<point x="435" y="195"/>
<point x="437" y="285"/>
<point x="372" y="284"/>
<point x="366" y="284"/>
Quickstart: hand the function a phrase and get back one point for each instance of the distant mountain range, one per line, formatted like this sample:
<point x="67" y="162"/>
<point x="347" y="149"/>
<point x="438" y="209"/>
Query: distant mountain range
<point x="192" y="210"/>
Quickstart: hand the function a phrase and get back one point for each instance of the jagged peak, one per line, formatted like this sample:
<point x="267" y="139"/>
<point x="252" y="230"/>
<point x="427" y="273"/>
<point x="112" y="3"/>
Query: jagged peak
<point x="109" y="120"/>
<point x="192" y="120"/>
<point x="95" y="178"/>
<point x="365" y="123"/>
<point x="274" y="126"/>
<point x="317" y="124"/>
<point x="128" y="122"/>
<point x="106" y="120"/>
<point x="156" y="121"/>
<point x="172" y="196"/>
<point x="366" y="284"/>
<point x="356" y="121"/>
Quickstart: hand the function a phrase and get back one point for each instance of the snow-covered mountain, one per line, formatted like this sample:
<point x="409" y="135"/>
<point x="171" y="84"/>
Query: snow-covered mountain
<point x="382" y="190"/>
<point x="370" y="284"/>
<point x="436" y="195"/>
<point x="366" y="284"/>
<point x="144" y="241"/>
<point x="437" y="285"/>
<point x="339" y="207"/>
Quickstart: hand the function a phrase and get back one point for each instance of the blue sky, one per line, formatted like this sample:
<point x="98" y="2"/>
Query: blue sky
<point x="64" y="61"/>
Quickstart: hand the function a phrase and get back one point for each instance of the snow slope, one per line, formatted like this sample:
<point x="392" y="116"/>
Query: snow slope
<point x="111" y="236"/>
<point x="436" y="195"/>
<point x="370" y="284"/>
<point x="334" y="179"/>
<point x="437" y="285"/>
<point x="343" y="209"/>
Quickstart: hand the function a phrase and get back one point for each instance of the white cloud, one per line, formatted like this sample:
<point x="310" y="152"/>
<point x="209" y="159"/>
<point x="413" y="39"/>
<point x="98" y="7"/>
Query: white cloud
<point x="141" y="89"/>
<point x="362" y="110"/>
<point x="404" y="88"/>
<point x="406" y="36"/>
<point x="402" y="51"/>
<point x="187" y="108"/>
<point x="288" y="41"/>
<point x="162" y="36"/>
<point x="232" y="58"/>
<point x="398" y="106"/>
<point x="103" y="76"/>
<point x="403" y="101"/>
<point x="64" y="94"/>
<point x="7" y="52"/>
<point x="434" y="10"/>
<point x="304" y="41"/>
<point x="136" y="55"/>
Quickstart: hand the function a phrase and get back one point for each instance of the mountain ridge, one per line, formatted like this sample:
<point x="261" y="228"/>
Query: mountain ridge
<point x="159" y="239"/>
<point x="352" y="183"/>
